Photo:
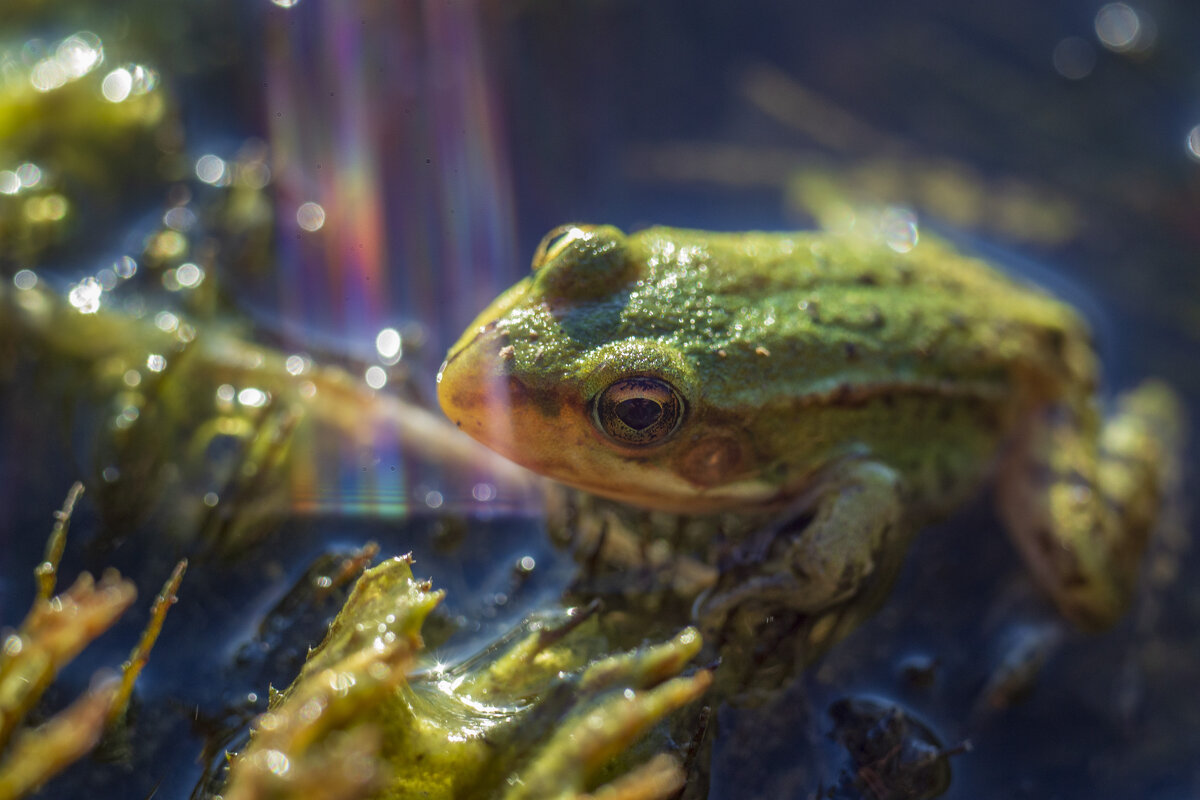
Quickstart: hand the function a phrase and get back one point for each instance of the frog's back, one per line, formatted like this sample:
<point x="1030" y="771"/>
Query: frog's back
<point x="814" y="311"/>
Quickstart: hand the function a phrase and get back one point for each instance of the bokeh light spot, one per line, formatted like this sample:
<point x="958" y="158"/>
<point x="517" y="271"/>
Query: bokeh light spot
<point x="166" y="322"/>
<point x="899" y="229"/>
<point x="1123" y="29"/>
<point x="29" y="174"/>
<point x="254" y="398"/>
<point x="310" y="217"/>
<point x="276" y="762"/>
<point x="189" y="275"/>
<point x="117" y="85"/>
<point x="1193" y="143"/>
<point x="47" y="75"/>
<point x="389" y="345"/>
<point x="50" y="208"/>
<point x="295" y="364"/>
<point x="210" y="169"/>
<point x="125" y="267"/>
<point x="179" y="218"/>
<point x="376" y="377"/>
<point x="1074" y="58"/>
<point x="79" y="54"/>
<point x="25" y="279"/>
<point x="85" y="296"/>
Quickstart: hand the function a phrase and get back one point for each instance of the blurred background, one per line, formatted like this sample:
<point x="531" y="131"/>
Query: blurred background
<point x="351" y="181"/>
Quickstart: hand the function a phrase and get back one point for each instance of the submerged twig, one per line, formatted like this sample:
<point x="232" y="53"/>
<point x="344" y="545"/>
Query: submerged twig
<point x="46" y="572"/>
<point x="132" y="668"/>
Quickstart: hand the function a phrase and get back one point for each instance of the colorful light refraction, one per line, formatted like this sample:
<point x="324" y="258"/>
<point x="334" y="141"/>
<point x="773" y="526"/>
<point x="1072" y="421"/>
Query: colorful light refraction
<point x="395" y="206"/>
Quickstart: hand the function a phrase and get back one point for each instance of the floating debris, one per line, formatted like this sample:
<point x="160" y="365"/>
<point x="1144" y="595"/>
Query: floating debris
<point x="895" y="756"/>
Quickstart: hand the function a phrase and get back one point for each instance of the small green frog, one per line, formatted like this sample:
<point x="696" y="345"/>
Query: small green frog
<point x="858" y="388"/>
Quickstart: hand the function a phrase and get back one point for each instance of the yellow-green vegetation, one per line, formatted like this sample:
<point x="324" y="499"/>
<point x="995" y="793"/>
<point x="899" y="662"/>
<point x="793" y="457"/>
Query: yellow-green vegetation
<point x="74" y="128"/>
<point x="544" y="713"/>
<point x="170" y="389"/>
<point x="54" y="632"/>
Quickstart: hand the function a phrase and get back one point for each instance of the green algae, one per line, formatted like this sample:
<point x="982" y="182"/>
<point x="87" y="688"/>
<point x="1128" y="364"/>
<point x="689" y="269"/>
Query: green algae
<point x="538" y="714"/>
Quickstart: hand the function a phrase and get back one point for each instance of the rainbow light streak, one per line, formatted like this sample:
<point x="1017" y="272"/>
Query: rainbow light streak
<point x="382" y="113"/>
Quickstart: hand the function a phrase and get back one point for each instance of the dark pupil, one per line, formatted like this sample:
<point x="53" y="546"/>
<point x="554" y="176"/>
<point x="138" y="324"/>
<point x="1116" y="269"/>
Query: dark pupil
<point x="638" y="413"/>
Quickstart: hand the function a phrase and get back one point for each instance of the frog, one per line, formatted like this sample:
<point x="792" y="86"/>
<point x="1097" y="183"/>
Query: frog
<point x="849" y="387"/>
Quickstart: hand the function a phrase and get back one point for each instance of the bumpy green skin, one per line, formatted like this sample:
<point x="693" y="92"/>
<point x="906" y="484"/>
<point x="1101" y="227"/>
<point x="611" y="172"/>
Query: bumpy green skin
<point x="854" y="388"/>
<point x="791" y="351"/>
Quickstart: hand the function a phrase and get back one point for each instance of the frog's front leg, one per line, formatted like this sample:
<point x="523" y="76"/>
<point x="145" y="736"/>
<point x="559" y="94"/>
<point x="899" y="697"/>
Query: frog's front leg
<point x="1081" y="495"/>
<point x="819" y="553"/>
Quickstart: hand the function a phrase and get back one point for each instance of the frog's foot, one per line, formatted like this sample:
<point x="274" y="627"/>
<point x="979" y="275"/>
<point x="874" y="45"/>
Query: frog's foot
<point x="1081" y="498"/>
<point x="819" y="554"/>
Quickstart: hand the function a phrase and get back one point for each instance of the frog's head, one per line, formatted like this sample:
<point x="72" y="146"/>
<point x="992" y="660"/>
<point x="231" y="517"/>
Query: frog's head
<point x="575" y="373"/>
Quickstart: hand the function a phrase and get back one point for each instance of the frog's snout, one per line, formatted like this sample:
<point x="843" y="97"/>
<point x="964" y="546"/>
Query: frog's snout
<point x="474" y="387"/>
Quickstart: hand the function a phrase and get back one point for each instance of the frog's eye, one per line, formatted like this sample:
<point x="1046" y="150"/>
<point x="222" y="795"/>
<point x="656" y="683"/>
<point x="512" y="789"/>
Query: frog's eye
<point x="556" y="241"/>
<point x="639" y="410"/>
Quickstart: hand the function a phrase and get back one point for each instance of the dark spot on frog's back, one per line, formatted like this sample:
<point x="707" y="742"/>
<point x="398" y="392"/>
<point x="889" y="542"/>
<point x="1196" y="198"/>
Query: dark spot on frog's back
<point x="1055" y="341"/>
<point x="846" y="396"/>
